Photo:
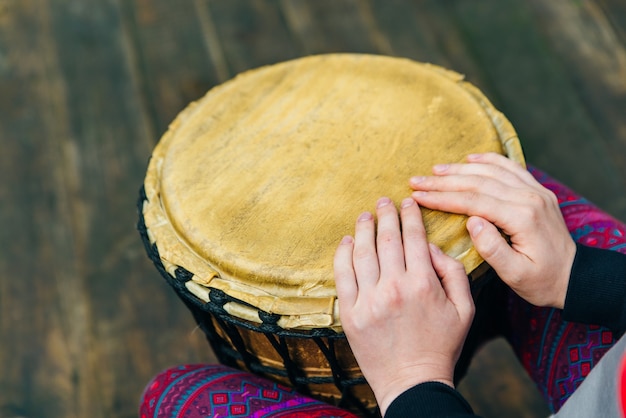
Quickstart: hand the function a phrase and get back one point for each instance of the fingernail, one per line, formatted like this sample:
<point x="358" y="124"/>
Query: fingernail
<point x="474" y="157"/>
<point x="417" y="179"/>
<point x="346" y="240"/>
<point x="419" y="193"/>
<point x="407" y="202"/>
<point x="365" y="216"/>
<point x="440" y="168"/>
<point x="383" y="201"/>
<point x="477" y="228"/>
<point x="434" y="248"/>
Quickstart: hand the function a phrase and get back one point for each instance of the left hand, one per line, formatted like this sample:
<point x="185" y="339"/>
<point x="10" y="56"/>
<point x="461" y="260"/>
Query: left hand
<point x="405" y="306"/>
<point x="499" y="194"/>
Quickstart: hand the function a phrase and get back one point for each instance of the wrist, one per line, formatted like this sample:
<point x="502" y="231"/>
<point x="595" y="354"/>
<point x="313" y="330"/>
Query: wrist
<point x="395" y="384"/>
<point x="564" y="277"/>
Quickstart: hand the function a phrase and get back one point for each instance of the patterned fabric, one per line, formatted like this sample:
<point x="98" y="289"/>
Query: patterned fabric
<point x="216" y="391"/>
<point x="558" y="355"/>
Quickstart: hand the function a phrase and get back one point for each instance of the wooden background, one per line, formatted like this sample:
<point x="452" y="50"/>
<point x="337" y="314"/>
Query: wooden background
<point x="88" y="86"/>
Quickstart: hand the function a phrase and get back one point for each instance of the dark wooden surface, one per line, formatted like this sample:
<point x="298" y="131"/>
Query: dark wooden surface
<point x="88" y="86"/>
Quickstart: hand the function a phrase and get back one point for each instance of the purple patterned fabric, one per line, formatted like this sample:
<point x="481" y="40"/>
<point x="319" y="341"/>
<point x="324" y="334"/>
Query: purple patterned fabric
<point x="216" y="391"/>
<point x="558" y="355"/>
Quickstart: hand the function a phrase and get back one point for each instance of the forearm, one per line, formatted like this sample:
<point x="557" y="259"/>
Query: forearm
<point x="597" y="288"/>
<point x="430" y="399"/>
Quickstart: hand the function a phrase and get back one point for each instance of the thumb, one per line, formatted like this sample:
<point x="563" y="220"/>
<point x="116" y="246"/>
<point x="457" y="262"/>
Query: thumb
<point x="454" y="281"/>
<point x="491" y="245"/>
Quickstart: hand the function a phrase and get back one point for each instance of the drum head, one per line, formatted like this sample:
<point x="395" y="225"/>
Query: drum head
<point x="253" y="186"/>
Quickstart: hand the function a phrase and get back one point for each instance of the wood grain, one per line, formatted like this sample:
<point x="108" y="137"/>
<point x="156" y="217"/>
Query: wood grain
<point x="328" y="26"/>
<point x="87" y="87"/>
<point x="581" y="37"/>
<point x="615" y="12"/>
<point x="531" y="86"/>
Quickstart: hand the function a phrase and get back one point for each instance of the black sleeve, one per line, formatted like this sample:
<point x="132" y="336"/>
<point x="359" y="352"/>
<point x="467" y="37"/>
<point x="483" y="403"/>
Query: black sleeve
<point x="430" y="399"/>
<point x="596" y="293"/>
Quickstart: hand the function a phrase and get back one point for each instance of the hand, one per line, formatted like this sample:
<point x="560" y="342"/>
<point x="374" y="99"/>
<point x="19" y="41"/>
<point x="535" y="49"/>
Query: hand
<point x="405" y="326"/>
<point x="498" y="193"/>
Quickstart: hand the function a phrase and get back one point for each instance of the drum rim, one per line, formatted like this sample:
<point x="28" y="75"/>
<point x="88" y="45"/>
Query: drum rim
<point x="200" y="286"/>
<point x="231" y="355"/>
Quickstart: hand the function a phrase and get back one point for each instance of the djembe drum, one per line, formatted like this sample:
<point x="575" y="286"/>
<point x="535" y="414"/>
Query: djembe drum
<point x="250" y="190"/>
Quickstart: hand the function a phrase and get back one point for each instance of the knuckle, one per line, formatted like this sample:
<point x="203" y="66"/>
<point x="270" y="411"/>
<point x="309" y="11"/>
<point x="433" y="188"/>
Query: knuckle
<point x="386" y="236"/>
<point x="424" y="287"/>
<point x="535" y="206"/>
<point x="534" y="198"/>
<point x="551" y="198"/>
<point x="497" y="171"/>
<point x="479" y="182"/>
<point x="352" y="325"/>
<point x="412" y="234"/>
<point x="471" y="311"/>
<point x="467" y="312"/>
<point x="453" y="268"/>
<point x="362" y="253"/>
<point x="473" y="196"/>
<point x="391" y="296"/>
<point x="488" y="250"/>
<point x="455" y="265"/>
<point x="358" y="324"/>
<point x="528" y="214"/>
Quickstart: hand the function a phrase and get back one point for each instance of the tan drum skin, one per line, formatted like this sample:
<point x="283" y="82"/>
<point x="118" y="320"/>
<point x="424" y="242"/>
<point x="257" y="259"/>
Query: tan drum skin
<point x="253" y="186"/>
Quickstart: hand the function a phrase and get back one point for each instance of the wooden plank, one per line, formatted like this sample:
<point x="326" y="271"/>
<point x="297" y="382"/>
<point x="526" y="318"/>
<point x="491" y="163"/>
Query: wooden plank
<point x="168" y="53"/>
<point x="406" y="32"/>
<point x="88" y="319"/>
<point x="29" y="315"/>
<point x="496" y="385"/>
<point x="252" y="33"/>
<point x="615" y="11"/>
<point x="134" y="318"/>
<point x="20" y="234"/>
<point x="88" y="86"/>
<point x="327" y="26"/>
<point x="583" y="39"/>
<point x="423" y="31"/>
<point x="553" y="124"/>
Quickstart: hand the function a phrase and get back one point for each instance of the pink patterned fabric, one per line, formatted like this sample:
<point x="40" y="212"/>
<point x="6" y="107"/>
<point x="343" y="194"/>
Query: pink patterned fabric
<point x="588" y="225"/>
<point x="216" y="391"/>
<point x="558" y="355"/>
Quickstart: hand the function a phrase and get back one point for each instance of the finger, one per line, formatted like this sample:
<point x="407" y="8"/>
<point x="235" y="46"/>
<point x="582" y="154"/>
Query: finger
<point x="454" y="281"/>
<point x="488" y="166"/>
<point x="416" y="252"/>
<point x="493" y="248"/>
<point x="507" y="164"/>
<point x="478" y="184"/>
<point x="365" y="259"/>
<point x="345" y="278"/>
<point x="496" y="210"/>
<point x="389" y="239"/>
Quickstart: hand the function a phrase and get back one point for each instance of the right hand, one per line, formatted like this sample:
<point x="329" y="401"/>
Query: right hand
<point x="496" y="192"/>
<point x="405" y="306"/>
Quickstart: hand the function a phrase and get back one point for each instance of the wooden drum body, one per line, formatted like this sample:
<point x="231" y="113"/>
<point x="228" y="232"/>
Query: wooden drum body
<point x="249" y="192"/>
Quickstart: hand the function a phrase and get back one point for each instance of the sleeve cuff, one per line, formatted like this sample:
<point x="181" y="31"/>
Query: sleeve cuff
<point x="596" y="293"/>
<point x="430" y="399"/>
